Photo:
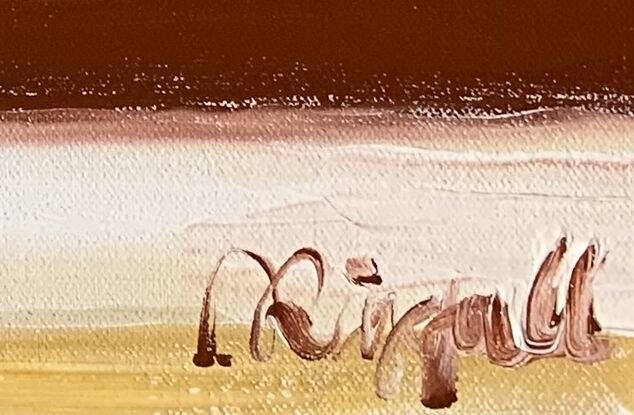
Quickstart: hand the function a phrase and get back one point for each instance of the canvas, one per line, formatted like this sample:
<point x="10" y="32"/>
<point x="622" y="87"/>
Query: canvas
<point x="316" y="207"/>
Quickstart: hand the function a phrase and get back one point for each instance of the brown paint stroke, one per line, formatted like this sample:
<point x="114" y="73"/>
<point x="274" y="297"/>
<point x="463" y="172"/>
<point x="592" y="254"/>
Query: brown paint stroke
<point x="439" y="371"/>
<point x="363" y="271"/>
<point x="206" y="353"/>
<point x="439" y="356"/>
<point x="468" y="330"/>
<point x="295" y="324"/>
<point x="475" y="324"/>
<point x="439" y="362"/>
<point x="303" y="254"/>
<point x="485" y="319"/>
<point x="489" y="322"/>
<point x="542" y="319"/>
<point x="593" y="323"/>
<point x="377" y="321"/>
<point x="390" y="368"/>
<point x="500" y="346"/>
<point x="580" y="344"/>
<point x="507" y="56"/>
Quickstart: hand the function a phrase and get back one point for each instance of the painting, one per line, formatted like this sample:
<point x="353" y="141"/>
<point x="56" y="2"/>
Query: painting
<point x="316" y="207"/>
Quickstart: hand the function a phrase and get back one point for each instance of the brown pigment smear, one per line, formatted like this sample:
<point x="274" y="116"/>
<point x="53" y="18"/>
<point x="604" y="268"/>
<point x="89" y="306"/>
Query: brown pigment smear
<point x="452" y="326"/>
<point x="377" y="322"/>
<point x="113" y="53"/>
<point x="389" y="371"/>
<point x="501" y="348"/>
<point x="295" y="325"/>
<point x="371" y="279"/>
<point x="542" y="320"/>
<point x="439" y="357"/>
<point x="439" y="362"/>
<point x="581" y="346"/>
<point x="362" y="271"/>
<point x="593" y="323"/>
<point x="439" y="371"/>
<point x="206" y="352"/>
<point x="468" y="330"/>
<point x="303" y="254"/>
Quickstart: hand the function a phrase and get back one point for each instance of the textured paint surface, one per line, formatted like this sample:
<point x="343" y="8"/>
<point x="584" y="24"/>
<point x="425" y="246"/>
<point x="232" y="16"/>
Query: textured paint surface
<point x="332" y="207"/>
<point x="126" y="230"/>
<point x="439" y="56"/>
<point x="146" y="370"/>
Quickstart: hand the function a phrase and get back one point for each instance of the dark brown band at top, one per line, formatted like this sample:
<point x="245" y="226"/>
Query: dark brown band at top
<point x="490" y="55"/>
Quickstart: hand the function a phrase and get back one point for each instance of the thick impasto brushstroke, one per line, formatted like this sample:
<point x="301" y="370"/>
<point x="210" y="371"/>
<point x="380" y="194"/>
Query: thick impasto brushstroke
<point x="390" y="370"/>
<point x="438" y="356"/>
<point x="477" y="323"/>
<point x="363" y="271"/>
<point x="581" y="345"/>
<point x="206" y="354"/>
<point x="542" y="328"/>
<point x="377" y="321"/>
